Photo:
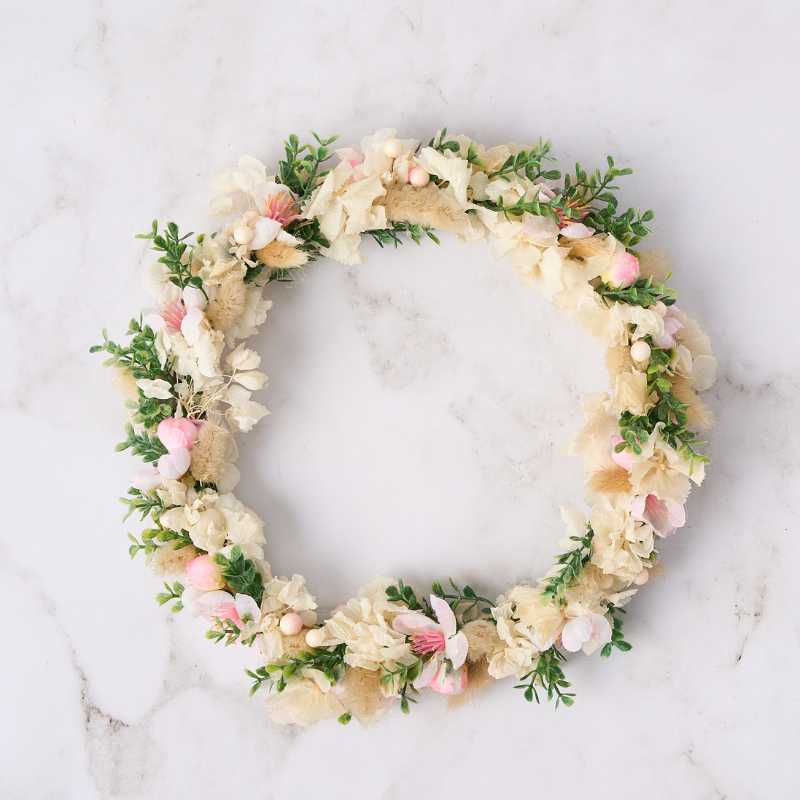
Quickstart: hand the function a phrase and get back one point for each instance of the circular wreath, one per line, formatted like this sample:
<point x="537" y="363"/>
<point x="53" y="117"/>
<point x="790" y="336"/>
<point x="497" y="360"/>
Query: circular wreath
<point x="190" y="379"/>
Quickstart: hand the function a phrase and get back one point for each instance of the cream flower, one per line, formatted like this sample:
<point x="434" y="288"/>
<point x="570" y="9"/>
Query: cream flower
<point x="662" y="471"/>
<point x="304" y="701"/>
<point x="630" y="393"/>
<point x="621" y="546"/>
<point x="534" y="611"/>
<point x="345" y="208"/>
<point x="243" y="527"/>
<point x="243" y="413"/>
<point x="364" y="625"/>
<point x="518" y="652"/>
<point x="449" y="167"/>
<point x="593" y="442"/>
<point x="283" y="596"/>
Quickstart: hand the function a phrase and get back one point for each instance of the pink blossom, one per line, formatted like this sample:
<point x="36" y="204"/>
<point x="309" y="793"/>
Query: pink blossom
<point x="147" y="479"/>
<point x="177" y="433"/>
<point x="672" y="325"/>
<point x="173" y="314"/>
<point x="227" y="611"/>
<point x="624" y="270"/>
<point x="282" y="208"/>
<point x="664" y="515"/>
<point x="446" y="645"/>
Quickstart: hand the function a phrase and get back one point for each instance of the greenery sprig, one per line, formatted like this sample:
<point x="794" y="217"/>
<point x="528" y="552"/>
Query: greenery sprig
<point x="302" y="166"/>
<point x="401" y="679"/>
<point x="548" y="676"/>
<point x="617" y="637"/>
<point x="571" y="563"/>
<point x="170" y="593"/>
<point x="142" y="503"/>
<point x="142" y="444"/>
<point x="241" y="574"/>
<point x="464" y="600"/>
<point x="329" y="661"/>
<point x="176" y="254"/>
<point x="530" y="164"/>
<point x="393" y="235"/>
<point x="644" y="292"/>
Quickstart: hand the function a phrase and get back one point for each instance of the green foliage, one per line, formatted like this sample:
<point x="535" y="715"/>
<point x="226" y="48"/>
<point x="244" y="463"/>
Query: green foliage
<point x="173" y="592"/>
<point x="548" y="676"/>
<point x="571" y="562"/>
<point x="617" y="637"/>
<point x="142" y="503"/>
<point x="668" y="411"/>
<point x="644" y="292"/>
<point x="241" y="574"/>
<point x="153" y="538"/>
<point x="393" y="234"/>
<point x="530" y="164"/>
<point x="307" y="230"/>
<point x="329" y="661"/>
<point x="401" y="680"/>
<point x="142" y="444"/>
<point x="402" y="593"/>
<point x="442" y="144"/>
<point x="464" y="600"/>
<point x="301" y="168"/>
<point x="139" y="356"/>
<point x="176" y="255"/>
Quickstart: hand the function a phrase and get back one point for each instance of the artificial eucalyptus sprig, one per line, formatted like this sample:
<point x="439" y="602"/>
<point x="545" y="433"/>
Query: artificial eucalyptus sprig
<point x="302" y="166"/>
<point x="176" y="254"/>
<point x="393" y="235"/>
<point x="142" y="444"/>
<point x="643" y="292"/>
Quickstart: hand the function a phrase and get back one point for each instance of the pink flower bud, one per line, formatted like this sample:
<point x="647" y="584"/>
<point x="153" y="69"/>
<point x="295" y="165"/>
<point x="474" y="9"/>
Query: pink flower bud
<point x="204" y="574"/>
<point x="177" y="433"/>
<point x="624" y="270"/>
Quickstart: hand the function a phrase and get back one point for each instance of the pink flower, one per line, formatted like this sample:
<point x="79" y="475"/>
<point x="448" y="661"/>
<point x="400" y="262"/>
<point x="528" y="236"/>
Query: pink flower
<point x="624" y="270"/>
<point x="664" y="515"/>
<point x="147" y="479"/>
<point x="282" y="208"/>
<point x="177" y="433"/>
<point x="173" y="314"/>
<point x="623" y="458"/>
<point x="587" y="632"/>
<point x="446" y="645"/>
<point x="240" y="610"/>
<point x="204" y="574"/>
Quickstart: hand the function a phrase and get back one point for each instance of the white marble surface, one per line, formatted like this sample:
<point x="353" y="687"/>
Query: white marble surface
<point x="421" y="403"/>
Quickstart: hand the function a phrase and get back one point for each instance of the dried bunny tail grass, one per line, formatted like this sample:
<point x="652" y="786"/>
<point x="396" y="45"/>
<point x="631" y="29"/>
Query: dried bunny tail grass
<point x="483" y="639"/>
<point x="213" y="450"/>
<point x="279" y="255"/>
<point x="227" y="307"/>
<point x="611" y="480"/>
<point x="171" y="561"/>
<point x="618" y="360"/>
<point x="125" y="384"/>
<point x="429" y="206"/>
<point x="359" y="691"/>
<point x="479" y="678"/>
<point x="699" y="416"/>
<point x="292" y="645"/>
<point x="654" y="264"/>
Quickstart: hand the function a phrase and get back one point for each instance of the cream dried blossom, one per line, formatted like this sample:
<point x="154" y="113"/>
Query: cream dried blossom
<point x="363" y="624"/>
<point x="305" y="700"/>
<point x="448" y="167"/>
<point x="621" y="546"/>
<point x="631" y="393"/>
<point x="282" y="596"/>
<point x="228" y="303"/>
<point x="518" y="652"/>
<point x="360" y="692"/>
<point x="663" y="471"/>
<point x="431" y="207"/>
<point x="345" y="207"/>
<point x="280" y="255"/>
<point x="482" y="639"/>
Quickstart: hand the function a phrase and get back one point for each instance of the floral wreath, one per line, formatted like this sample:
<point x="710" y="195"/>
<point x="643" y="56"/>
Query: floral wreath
<point x="190" y="379"/>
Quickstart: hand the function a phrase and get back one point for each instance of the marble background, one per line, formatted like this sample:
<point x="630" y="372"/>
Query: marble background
<point x="422" y="403"/>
